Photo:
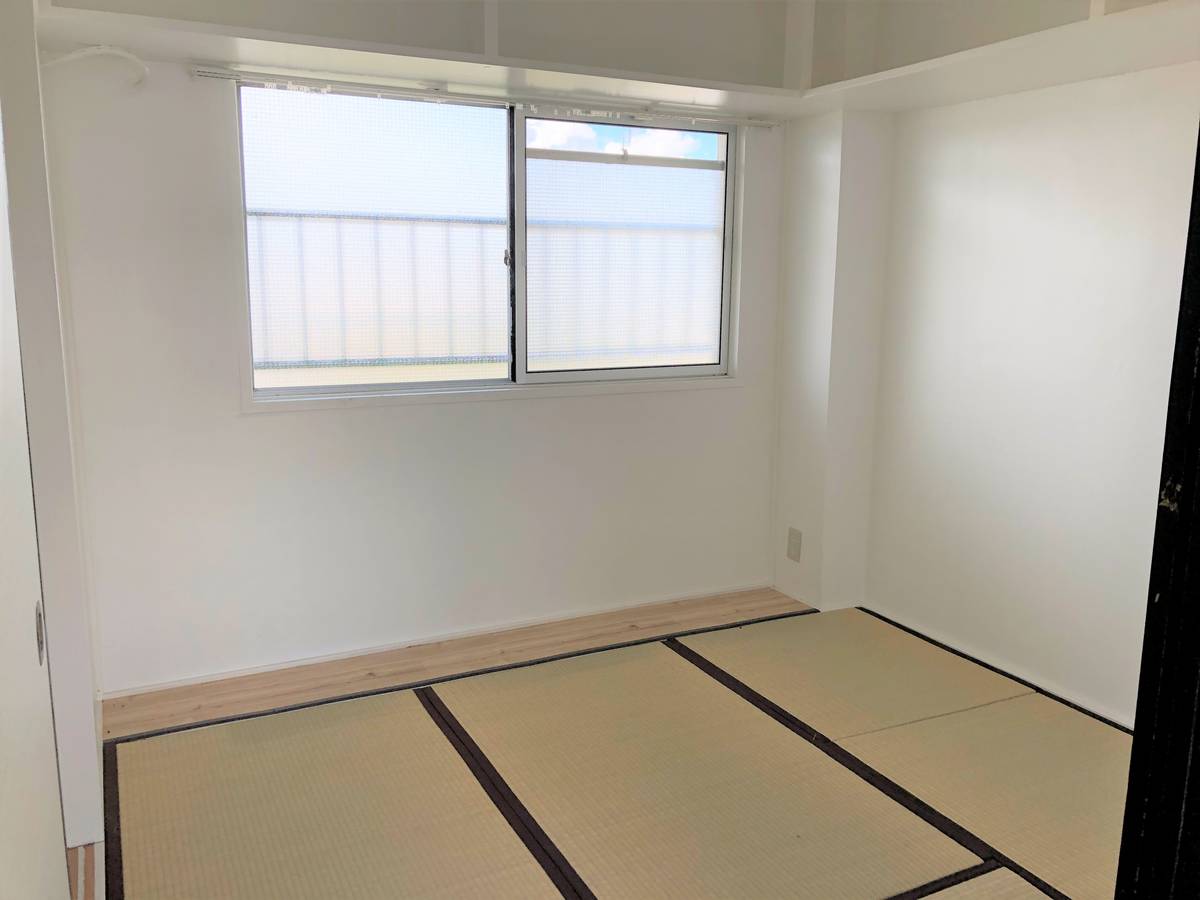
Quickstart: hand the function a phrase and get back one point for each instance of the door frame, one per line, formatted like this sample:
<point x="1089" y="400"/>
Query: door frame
<point x="1160" y="846"/>
<point x="48" y="415"/>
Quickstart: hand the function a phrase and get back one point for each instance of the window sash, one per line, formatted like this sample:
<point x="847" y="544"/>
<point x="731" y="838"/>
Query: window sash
<point x="357" y="388"/>
<point x="520" y="154"/>
<point x="519" y="374"/>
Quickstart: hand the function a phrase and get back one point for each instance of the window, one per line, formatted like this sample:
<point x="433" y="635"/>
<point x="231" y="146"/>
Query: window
<point x="395" y="243"/>
<point x="376" y="232"/>
<point x="624" y="237"/>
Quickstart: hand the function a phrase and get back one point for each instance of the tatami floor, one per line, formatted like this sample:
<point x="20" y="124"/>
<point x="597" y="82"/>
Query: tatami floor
<point x="821" y="755"/>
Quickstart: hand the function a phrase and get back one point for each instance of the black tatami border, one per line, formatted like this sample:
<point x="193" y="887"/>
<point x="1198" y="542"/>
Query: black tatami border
<point x="114" y="877"/>
<point x="918" y="807"/>
<point x="560" y="871"/>
<point x="114" y="872"/>
<point x="1009" y="675"/>
<point x="948" y="881"/>
<point x="532" y="835"/>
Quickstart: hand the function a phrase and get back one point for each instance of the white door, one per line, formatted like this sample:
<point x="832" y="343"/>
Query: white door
<point x="32" y="851"/>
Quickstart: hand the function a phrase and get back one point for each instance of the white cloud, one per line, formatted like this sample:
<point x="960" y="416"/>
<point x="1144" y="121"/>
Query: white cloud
<point x="655" y="142"/>
<point x="550" y="135"/>
<point x="547" y="134"/>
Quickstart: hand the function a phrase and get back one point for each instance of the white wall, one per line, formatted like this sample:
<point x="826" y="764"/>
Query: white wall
<point x="50" y="433"/>
<point x="221" y="539"/>
<point x="859" y="287"/>
<point x="838" y="191"/>
<point x="811" y="189"/>
<point x="1036" y="257"/>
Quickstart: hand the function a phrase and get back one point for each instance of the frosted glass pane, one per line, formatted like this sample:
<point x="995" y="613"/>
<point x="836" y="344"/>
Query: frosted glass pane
<point x="623" y="261"/>
<point x="375" y="235"/>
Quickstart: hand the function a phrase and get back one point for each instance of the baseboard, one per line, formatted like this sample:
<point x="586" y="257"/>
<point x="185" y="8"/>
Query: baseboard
<point x="493" y="628"/>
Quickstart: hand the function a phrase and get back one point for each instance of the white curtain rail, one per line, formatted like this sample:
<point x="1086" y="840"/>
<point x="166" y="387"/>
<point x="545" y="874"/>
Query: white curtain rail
<point x="549" y="106"/>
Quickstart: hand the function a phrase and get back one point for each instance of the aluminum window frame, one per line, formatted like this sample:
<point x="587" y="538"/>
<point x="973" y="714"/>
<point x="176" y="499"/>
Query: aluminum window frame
<point x="317" y="391"/>
<point x="519" y="224"/>
<point x="519" y="376"/>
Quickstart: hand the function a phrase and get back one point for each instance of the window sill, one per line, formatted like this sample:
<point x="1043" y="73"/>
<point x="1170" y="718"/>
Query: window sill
<point x="484" y="392"/>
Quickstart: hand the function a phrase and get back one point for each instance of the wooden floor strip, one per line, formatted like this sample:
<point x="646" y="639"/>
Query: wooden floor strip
<point x="244" y="694"/>
<point x="89" y="871"/>
<point x="73" y="854"/>
<point x="81" y="871"/>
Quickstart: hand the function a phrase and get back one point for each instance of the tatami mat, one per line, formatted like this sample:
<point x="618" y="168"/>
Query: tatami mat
<point x="998" y="885"/>
<point x="656" y="781"/>
<point x="845" y="672"/>
<point x="364" y="798"/>
<point x="1039" y="781"/>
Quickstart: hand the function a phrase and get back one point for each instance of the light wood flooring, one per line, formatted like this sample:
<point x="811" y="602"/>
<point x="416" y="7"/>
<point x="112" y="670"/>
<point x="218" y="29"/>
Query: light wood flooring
<point x="260" y="691"/>
<point x="83" y="871"/>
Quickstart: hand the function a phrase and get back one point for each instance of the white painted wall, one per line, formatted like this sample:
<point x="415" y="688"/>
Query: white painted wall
<point x="221" y="540"/>
<point x="837" y="191"/>
<point x="1036" y="255"/>
<point x="859" y="288"/>
<point x="811" y="190"/>
<point x="50" y="428"/>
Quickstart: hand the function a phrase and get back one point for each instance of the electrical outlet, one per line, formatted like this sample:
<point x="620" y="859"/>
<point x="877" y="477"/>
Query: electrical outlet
<point x="793" y="548"/>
